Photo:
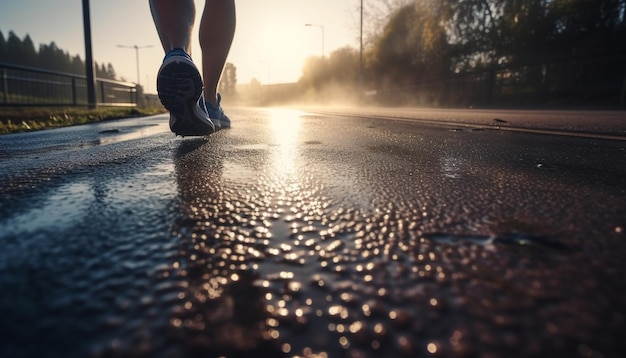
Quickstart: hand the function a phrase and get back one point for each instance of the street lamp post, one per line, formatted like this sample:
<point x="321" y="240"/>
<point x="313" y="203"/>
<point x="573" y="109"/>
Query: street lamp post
<point x="136" y="56"/>
<point x="90" y="72"/>
<point x="361" y="48"/>
<point x="321" y="28"/>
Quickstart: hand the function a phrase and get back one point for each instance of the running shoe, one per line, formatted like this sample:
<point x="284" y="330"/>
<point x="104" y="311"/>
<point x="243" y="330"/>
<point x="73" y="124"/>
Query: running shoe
<point x="217" y="115"/>
<point x="179" y="86"/>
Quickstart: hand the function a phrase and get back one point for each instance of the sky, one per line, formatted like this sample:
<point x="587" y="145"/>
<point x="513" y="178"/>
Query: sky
<point x="271" y="40"/>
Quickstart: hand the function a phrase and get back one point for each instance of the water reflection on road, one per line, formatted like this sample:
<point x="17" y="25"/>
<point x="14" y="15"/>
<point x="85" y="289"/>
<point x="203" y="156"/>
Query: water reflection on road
<point x="300" y="235"/>
<point x="276" y="220"/>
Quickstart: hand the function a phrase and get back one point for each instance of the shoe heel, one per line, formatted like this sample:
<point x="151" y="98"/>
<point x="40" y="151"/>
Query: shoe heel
<point x="178" y="83"/>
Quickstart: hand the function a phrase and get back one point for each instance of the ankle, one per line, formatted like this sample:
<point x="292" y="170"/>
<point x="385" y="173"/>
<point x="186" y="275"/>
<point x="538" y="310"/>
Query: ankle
<point x="212" y="100"/>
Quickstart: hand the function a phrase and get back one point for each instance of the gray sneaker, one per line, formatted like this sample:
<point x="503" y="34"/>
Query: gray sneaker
<point x="217" y="115"/>
<point x="179" y="85"/>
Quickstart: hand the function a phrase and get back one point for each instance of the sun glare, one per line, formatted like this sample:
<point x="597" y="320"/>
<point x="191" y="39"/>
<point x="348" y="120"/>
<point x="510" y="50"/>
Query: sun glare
<point x="281" y="49"/>
<point x="285" y="126"/>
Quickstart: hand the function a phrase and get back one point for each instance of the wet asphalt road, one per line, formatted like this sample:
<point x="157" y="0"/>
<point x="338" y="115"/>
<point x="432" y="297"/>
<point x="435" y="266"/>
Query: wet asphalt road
<point x="334" y="233"/>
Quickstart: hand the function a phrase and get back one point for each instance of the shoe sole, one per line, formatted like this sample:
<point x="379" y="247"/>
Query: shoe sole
<point x="179" y="86"/>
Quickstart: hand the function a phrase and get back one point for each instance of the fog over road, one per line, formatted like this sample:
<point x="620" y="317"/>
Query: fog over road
<point x="337" y="232"/>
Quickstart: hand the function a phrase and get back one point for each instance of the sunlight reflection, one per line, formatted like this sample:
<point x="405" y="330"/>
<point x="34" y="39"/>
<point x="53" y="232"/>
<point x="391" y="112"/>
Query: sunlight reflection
<point x="285" y="126"/>
<point x="59" y="209"/>
<point x="124" y="134"/>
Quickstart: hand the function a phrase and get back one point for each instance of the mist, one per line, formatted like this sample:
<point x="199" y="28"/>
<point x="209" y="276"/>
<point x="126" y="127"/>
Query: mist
<point x="491" y="53"/>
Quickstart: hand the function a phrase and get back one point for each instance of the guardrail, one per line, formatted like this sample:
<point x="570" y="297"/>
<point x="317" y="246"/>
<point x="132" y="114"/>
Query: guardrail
<point x="27" y="86"/>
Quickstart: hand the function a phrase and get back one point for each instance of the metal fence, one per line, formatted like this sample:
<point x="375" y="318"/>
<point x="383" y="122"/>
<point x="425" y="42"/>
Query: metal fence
<point x="27" y="86"/>
<point x="577" y="82"/>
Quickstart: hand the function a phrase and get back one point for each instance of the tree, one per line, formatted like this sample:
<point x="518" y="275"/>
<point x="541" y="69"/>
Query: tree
<point x="314" y="72"/>
<point x="340" y="68"/>
<point x="589" y="24"/>
<point x="78" y="66"/>
<point x="474" y="33"/>
<point x="376" y="15"/>
<point x="3" y="45"/>
<point x="413" y="46"/>
<point x="28" y="52"/>
<point x="110" y="72"/>
<point x="479" y="51"/>
<point x="589" y="38"/>
<point x="343" y="66"/>
<point x="526" y="31"/>
<point x="228" y="82"/>
<point x="13" y="48"/>
<point x="53" y="58"/>
<point x="22" y="52"/>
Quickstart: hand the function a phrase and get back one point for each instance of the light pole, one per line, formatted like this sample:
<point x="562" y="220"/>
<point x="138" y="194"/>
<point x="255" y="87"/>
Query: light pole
<point x="321" y="28"/>
<point x="90" y="72"/>
<point x="361" y="48"/>
<point x="136" y="56"/>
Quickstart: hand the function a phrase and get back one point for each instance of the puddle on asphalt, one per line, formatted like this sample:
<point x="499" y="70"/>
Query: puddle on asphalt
<point x="58" y="210"/>
<point x="116" y="135"/>
<point x="510" y="239"/>
<point x="111" y="131"/>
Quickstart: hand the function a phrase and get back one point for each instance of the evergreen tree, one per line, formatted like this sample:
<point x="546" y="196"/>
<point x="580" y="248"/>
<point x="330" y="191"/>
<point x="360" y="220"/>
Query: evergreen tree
<point x="52" y="58"/>
<point x="105" y="71"/>
<point x="28" y="52"/>
<point x="3" y="45"/>
<point x="13" y="49"/>
<point x="110" y="72"/>
<point x="78" y="66"/>
<point x="44" y="56"/>
<point x="18" y="51"/>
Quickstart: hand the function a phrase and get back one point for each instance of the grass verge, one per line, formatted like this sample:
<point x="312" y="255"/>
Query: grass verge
<point x="15" y="120"/>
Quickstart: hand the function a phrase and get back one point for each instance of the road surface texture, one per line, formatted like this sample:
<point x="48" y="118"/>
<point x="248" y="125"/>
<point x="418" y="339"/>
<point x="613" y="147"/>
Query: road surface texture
<point x="318" y="233"/>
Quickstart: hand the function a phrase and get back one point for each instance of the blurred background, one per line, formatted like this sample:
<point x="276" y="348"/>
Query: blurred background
<point x="469" y="53"/>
